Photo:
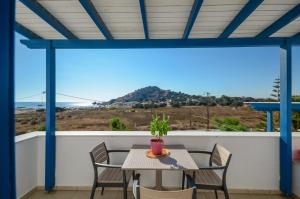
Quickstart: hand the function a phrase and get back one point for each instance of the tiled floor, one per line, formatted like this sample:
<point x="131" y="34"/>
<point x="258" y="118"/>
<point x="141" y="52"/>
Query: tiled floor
<point x="108" y="194"/>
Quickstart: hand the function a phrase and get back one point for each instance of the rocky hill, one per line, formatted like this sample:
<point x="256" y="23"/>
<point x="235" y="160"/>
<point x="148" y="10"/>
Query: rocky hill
<point x="156" y="97"/>
<point x="150" y="93"/>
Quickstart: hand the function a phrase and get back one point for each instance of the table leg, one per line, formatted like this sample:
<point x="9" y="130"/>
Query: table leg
<point x="159" y="180"/>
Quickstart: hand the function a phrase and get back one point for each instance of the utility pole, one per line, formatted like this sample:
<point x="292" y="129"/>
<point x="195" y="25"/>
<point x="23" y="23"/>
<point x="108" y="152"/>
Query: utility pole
<point x="207" y="110"/>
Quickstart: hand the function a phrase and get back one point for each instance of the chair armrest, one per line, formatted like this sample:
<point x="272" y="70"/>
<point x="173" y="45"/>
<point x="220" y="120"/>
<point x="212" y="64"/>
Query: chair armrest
<point x="136" y="186"/>
<point x="212" y="168"/>
<point x="108" y="165"/>
<point x="117" y="151"/>
<point x="201" y="152"/>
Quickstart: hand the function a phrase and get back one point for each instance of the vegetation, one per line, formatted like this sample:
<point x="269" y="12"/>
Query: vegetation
<point x="116" y="124"/>
<point x="154" y="97"/>
<point x="230" y="124"/>
<point x="98" y="119"/>
<point x="262" y="126"/>
<point x="296" y="115"/>
<point x="40" y="128"/>
<point x="276" y="89"/>
<point x="159" y="127"/>
<point x="149" y="105"/>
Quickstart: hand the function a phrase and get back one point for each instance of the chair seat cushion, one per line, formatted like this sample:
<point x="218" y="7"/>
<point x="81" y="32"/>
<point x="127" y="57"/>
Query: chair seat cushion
<point x="113" y="175"/>
<point x="206" y="177"/>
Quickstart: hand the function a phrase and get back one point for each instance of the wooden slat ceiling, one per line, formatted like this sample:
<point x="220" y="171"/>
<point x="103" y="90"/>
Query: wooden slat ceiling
<point x="166" y="18"/>
<point x="122" y="17"/>
<point x="268" y="12"/>
<point x="214" y="16"/>
<point x="74" y="17"/>
<point x="34" y="23"/>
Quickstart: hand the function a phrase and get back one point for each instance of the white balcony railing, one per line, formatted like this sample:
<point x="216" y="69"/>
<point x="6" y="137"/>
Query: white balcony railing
<point x="254" y="166"/>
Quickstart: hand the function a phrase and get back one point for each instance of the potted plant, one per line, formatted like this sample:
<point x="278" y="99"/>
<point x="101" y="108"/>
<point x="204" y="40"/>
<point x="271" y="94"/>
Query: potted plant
<point x="159" y="128"/>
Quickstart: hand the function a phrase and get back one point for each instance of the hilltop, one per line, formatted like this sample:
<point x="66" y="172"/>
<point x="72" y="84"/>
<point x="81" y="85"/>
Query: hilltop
<point x="153" y="96"/>
<point x="149" y="93"/>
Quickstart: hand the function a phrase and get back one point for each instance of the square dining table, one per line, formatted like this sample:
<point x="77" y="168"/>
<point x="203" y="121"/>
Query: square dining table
<point x="178" y="159"/>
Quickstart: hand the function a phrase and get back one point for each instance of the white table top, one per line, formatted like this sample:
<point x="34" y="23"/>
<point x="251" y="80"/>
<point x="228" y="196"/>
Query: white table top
<point x="179" y="159"/>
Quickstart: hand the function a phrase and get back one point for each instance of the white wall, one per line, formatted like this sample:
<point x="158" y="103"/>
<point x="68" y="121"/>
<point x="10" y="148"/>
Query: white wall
<point x="255" y="162"/>
<point x="26" y="164"/>
<point x="296" y="179"/>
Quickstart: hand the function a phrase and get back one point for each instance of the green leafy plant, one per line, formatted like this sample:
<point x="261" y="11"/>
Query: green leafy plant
<point x="116" y="124"/>
<point x="262" y="126"/>
<point x="159" y="127"/>
<point x="40" y="128"/>
<point x="230" y="124"/>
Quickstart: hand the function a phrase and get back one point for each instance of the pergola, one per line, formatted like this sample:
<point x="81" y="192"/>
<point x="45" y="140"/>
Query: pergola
<point x="269" y="108"/>
<point x="109" y="24"/>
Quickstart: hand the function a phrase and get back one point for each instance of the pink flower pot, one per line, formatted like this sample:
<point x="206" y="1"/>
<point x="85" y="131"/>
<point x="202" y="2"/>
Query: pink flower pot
<point x="157" y="146"/>
<point x="297" y="155"/>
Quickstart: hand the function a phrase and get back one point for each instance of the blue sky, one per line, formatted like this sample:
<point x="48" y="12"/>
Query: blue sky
<point x="107" y="74"/>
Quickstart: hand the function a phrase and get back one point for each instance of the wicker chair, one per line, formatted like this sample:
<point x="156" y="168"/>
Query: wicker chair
<point x="207" y="177"/>
<point x="112" y="175"/>
<point x="145" y="193"/>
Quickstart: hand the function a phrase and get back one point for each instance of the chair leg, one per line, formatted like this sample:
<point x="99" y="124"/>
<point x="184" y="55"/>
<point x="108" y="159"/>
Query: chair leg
<point x="102" y="190"/>
<point x="124" y="186"/>
<point x="125" y="191"/>
<point x="183" y="180"/>
<point x="93" y="191"/>
<point x="133" y="175"/>
<point x="216" y="194"/>
<point x="226" y="192"/>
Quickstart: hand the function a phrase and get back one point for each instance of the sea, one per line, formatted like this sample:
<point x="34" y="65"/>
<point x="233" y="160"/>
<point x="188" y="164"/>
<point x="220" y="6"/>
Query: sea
<point x="41" y="105"/>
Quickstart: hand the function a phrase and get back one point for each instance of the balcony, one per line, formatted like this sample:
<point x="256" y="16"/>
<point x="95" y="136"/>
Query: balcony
<point x="259" y="159"/>
<point x="253" y="172"/>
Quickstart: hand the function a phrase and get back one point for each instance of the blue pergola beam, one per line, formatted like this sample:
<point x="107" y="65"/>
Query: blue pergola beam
<point x="91" y="10"/>
<point x="240" y="17"/>
<point x="286" y="174"/>
<point x="50" y="119"/>
<point x="38" y="9"/>
<point x="192" y="18"/>
<point x="7" y="124"/>
<point x="144" y="18"/>
<point x="281" y="22"/>
<point x="26" y="32"/>
<point x="154" y="43"/>
<point x="272" y="106"/>
<point x="296" y="36"/>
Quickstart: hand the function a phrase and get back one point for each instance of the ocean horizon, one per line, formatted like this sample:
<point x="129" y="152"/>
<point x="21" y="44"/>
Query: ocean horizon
<point x="40" y="105"/>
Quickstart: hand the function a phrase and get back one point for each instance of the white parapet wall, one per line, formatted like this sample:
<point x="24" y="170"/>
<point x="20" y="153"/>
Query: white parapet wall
<point x="254" y="166"/>
<point x="296" y="179"/>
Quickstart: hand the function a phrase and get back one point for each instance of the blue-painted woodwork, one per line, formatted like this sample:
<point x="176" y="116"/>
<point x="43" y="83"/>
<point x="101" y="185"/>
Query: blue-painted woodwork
<point x="155" y="43"/>
<point x="286" y="119"/>
<point x="240" y="18"/>
<point x="38" y="9"/>
<point x="144" y="18"/>
<point x="50" y="119"/>
<point x="7" y="122"/>
<point x="26" y="32"/>
<point x="192" y="18"/>
<point x="269" y="121"/>
<point x="272" y="106"/>
<point x="296" y="36"/>
<point x="281" y="22"/>
<point x="92" y="12"/>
